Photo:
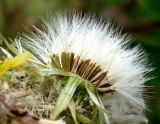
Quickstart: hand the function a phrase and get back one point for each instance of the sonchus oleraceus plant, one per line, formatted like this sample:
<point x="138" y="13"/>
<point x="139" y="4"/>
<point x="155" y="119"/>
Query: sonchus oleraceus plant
<point x="99" y="77"/>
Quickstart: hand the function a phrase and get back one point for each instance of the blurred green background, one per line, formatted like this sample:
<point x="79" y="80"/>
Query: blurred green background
<point x="140" y="18"/>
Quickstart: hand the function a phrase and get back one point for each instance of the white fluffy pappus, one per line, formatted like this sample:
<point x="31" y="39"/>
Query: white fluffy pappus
<point x="92" y="39"/>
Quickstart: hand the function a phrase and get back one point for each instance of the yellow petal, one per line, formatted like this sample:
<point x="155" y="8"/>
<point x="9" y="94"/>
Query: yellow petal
<point x="13" y="62"/>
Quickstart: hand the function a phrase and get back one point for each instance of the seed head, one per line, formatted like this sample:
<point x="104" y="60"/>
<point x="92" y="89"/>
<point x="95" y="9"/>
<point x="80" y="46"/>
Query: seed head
<point x="93" y="51"/>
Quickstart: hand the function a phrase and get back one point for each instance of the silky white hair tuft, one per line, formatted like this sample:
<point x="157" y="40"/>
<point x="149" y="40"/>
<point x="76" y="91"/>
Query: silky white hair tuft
<point x="93" y="39"/>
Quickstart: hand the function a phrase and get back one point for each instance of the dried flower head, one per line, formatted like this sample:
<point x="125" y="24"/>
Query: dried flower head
<point x="94" y="62"/>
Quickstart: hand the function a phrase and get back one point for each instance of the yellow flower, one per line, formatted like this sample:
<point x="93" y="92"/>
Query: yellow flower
<point x="13" y="62"/>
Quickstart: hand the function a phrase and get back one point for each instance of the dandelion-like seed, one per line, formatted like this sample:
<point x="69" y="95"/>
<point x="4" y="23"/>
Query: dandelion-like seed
<point x="93" y="62"/>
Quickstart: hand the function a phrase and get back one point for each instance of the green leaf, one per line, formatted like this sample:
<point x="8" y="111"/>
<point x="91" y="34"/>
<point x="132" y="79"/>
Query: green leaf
<point x="72" y="108"/>
<point x="10" y="46"/>
<point x="65" y="96"/>
<point x="83" y="119"/>
<point x="98" y="117"/>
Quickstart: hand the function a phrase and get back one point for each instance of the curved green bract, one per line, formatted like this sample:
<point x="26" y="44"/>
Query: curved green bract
<point x="65" y="100"/>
